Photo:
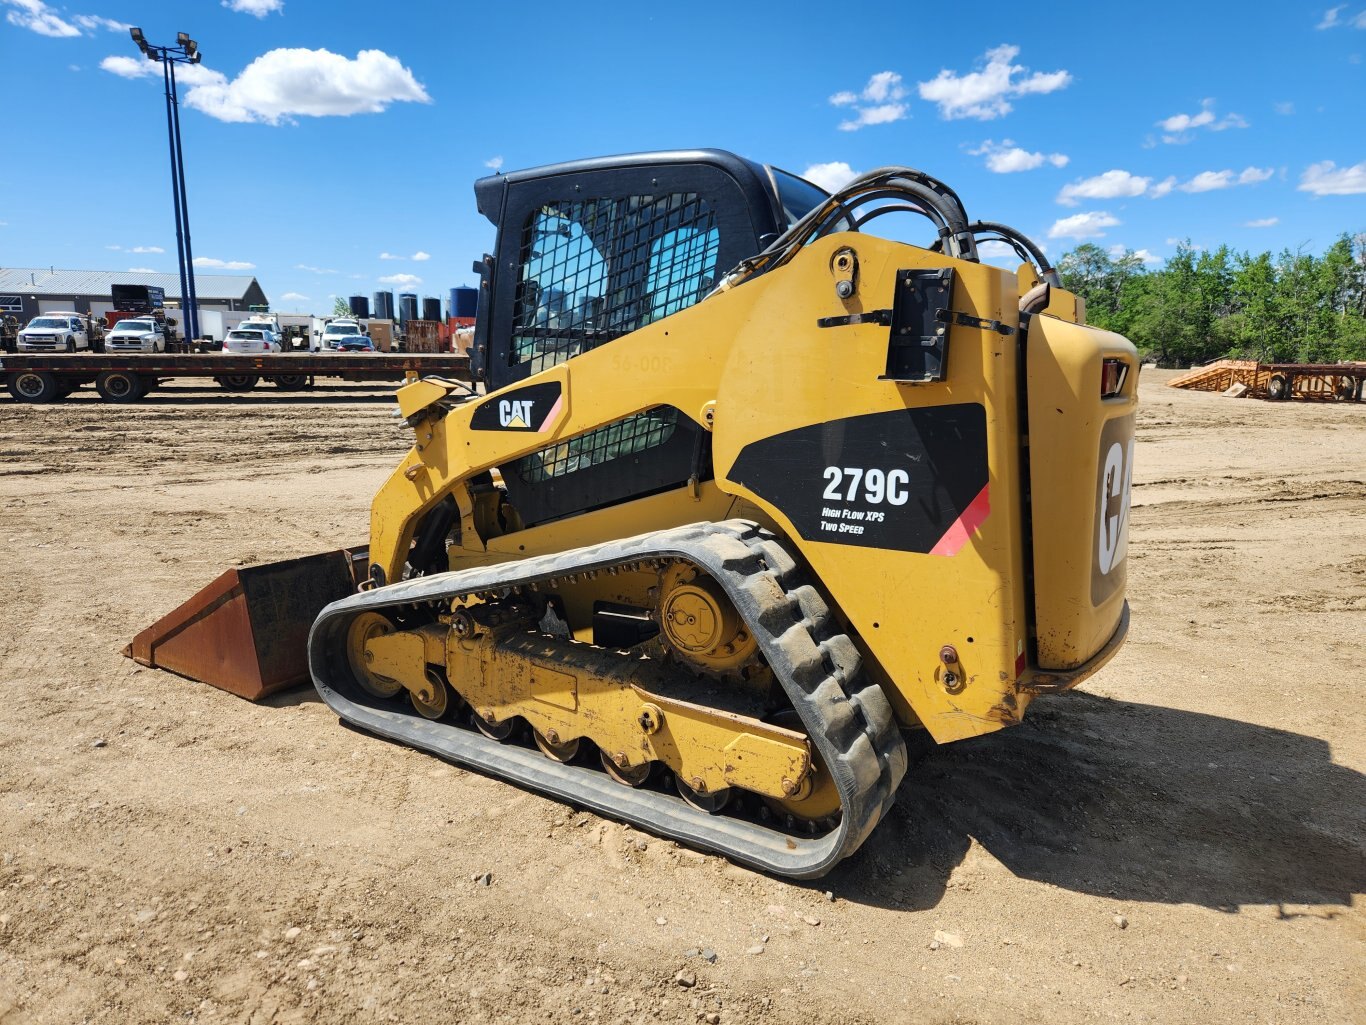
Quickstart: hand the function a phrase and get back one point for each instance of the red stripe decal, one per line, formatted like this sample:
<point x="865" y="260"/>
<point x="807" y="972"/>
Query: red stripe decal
<point x="957" y="535"/>
<point x="550" y="417"/>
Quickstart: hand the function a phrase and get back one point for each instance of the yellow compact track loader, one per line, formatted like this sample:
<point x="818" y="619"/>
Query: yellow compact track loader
<point x="747" y="493"/>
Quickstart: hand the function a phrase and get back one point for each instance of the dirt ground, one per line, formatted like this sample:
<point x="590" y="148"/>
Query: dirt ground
<point x="1181" y="841"/>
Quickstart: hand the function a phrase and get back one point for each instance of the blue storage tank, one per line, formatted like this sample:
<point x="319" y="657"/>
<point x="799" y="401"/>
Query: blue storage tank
<point x="464" y="302"/>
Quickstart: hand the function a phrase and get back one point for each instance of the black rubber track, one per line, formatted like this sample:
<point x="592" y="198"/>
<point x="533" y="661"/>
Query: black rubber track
<point x="847" y="717"/>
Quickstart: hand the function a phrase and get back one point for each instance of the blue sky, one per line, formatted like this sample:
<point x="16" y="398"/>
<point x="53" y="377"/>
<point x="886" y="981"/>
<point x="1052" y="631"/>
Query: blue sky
<point x="330" y="146"/>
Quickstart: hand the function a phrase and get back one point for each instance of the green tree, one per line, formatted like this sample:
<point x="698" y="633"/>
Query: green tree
<point x="340" y="307"/>
<point x="1202" y="305"/>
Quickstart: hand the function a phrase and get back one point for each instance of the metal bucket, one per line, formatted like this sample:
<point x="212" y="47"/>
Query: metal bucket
<point x="247" y="632"/>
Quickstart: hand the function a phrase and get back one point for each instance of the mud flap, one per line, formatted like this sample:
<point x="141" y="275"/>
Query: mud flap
<point x="247" y="631"/>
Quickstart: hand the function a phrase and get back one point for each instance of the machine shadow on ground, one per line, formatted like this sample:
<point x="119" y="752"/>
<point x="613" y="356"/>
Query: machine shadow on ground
<point x="1135" y="802"/>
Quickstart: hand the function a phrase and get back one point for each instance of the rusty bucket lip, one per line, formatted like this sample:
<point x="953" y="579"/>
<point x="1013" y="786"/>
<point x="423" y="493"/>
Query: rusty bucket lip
<point x="220" y="636"/>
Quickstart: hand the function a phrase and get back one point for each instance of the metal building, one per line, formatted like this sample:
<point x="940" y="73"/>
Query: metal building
<point x="28" y="291"/>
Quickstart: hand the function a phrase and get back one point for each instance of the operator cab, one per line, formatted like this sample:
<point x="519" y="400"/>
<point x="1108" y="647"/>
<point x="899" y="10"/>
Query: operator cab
<point x="590" y="250"/>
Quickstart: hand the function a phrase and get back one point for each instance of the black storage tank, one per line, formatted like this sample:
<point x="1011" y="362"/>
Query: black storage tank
<point x="407" y="307"/>
<point x="464" y="302"/>
<point x="360" y="306"/>
<point x="431" y="308"/>
<point x="384" y="305"/>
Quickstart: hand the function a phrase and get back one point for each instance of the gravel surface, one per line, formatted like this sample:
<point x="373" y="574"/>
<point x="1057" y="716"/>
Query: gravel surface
<point x="1179" y="842"/>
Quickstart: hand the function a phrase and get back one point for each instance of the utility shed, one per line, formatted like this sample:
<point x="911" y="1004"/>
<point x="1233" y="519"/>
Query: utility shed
<point x="26" y="292"/>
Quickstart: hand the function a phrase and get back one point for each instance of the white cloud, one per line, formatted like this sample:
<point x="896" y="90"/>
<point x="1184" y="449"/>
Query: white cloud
<point x="1262" y="222"/>
<point x="1178" y="126"/>
<point x="1005" y="157"/>
<point x="127" y="67"/>
<point x="114" y="247"/>
<point x="213" y="264"/>
<point x="1209" y="181"/>
<point x="496" y="163"/>
<point x="1327" y="179"/>
<point x="36" y="16"/>
<point x="142" y="270"/>
<point x="390" y="256"/>
<point x="295" y="297"/>
<point x="1081" y="226"/>
<point x="419" y="256"/>
<point x="312" y="83"/>
<point x="91" y="22"/>
<point x="259" y="8"/>
<point x="1286" y="108"/>
<point x="832" y="176"/>
<point x="314" y="270"/>
<point x="1330" y="17"/>
<point x="1163" y="187"/>
<point x="146" y="249"/>
<point x="994" y="250"/>
<point x="1145" y="256"/>
<point x="401" y="280"/>
<point x="136" y="67"/>
<point x="1114" y="184"/>
<point x="985" y="94"/>
<point x="284" y="83"/>
<point x="878" y="104"/>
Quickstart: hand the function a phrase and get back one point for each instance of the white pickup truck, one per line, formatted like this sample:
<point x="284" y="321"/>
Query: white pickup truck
<point x="59" y="332"/>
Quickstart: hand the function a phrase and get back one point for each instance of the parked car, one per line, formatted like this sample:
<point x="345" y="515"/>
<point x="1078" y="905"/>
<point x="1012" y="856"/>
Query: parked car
<point x="250" y="340"/>
<point x="355" y="343"/>
<point x="337" y="330"/>
<point x="143" y="334"/>
<point x="55" y="332"/>
<point x="266" y="323"/>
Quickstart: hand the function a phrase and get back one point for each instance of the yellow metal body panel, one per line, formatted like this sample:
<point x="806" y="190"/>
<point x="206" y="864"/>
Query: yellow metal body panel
<point x="1081" y="532"/>
<point x="750" y="364"/>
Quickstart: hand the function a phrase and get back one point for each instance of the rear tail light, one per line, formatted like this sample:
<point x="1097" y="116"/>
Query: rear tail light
<point x="1113" y="373"/>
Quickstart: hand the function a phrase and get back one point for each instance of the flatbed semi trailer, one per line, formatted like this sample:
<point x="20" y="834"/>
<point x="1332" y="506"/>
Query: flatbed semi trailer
<point x="127" y="378"/>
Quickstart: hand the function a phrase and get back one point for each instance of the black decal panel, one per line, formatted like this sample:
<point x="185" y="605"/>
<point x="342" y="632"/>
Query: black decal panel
<point x="522" y="409"/>
<point x="897" y="480"/>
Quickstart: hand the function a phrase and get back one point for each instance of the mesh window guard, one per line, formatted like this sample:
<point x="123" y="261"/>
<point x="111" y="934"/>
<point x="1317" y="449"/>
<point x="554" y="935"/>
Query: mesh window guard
<point x="628" y="436"/>
<point x="597" y="269"/>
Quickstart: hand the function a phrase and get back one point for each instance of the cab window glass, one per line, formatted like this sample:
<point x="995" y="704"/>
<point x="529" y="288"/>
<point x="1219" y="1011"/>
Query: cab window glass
<point x="594" y="270"/>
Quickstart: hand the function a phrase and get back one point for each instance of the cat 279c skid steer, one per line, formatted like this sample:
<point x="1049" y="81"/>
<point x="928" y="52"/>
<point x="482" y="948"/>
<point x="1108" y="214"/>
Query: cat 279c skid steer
<point x="749" y="491"/>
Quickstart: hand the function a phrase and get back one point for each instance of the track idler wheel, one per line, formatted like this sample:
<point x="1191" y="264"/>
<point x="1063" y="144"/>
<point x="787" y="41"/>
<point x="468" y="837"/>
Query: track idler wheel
<point x="623" y="772"/>
<point x="492" y="728"/>
<point x="554" y="748"/>
<point x="358" y="634"/>
<point x="435" y="701"/>
<point x="712" y="803"/>
<point x="815" y="801"/>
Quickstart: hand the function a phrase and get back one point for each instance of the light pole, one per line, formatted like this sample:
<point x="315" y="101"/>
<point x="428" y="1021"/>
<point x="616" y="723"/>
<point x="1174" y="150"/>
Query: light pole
<point x="186" y="51"/>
